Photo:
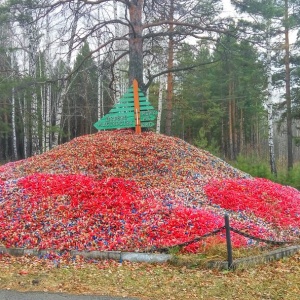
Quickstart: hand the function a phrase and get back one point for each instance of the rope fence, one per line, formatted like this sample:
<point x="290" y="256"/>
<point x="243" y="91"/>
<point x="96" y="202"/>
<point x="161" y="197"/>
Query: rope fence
<point x="247" y="235"/>
<point x="197" y="239"/>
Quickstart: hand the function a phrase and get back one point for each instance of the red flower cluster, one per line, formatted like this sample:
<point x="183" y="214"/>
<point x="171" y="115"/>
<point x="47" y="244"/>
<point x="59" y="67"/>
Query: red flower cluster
<point x="265" y="199"/>
<point x="79" y="212"/>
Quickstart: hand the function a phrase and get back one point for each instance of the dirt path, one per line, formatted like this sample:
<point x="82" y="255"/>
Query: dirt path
<point x="14" y="295"/>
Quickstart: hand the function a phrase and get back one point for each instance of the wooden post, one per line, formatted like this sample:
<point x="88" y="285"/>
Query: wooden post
<point x="137" y="111"/>
<point x="228" y="242"/>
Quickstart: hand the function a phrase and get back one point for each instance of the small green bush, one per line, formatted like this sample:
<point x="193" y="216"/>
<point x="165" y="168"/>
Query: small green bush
<point x="257" y="167"/>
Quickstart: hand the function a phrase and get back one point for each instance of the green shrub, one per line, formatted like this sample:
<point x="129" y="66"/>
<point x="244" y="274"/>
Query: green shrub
<point x="254" y="166"/>
<point x="257" y="167"/>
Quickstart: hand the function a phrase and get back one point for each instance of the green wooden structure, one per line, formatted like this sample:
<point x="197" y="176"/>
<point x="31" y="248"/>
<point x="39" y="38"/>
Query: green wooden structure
<point x="124" y="113"/>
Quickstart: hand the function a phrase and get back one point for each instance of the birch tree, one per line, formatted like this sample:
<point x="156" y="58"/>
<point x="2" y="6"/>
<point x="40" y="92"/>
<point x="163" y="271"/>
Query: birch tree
<point x="47" y="92"/>
<point x="13" y="110"/>
<point x="170" y="78"/>
<point x="27" y="21"/>
<point x="61" y="97"/>
<point x="26" y="15"/>
<point x="161" y="90"/>
<point x="5" y="74"/>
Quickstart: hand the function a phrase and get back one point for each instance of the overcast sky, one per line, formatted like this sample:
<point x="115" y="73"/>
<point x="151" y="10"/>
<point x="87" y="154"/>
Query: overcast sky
<point x="228" y="8"/>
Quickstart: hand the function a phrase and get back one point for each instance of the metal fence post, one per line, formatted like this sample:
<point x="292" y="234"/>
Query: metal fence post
<point x="228" y="242"/>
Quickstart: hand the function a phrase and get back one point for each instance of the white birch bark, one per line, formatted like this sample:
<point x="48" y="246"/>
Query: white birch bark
<point x="64" y="89"/>
<point x="270" y="105"/>
<point x="13" y="111"/>
<point x="100" y="104"/>
<point x="43" y="106"/>
<point x="48" y="116"/>
<point x="24" y="110"/>
<point x="24" y="118"/>
<point x="162" y="86"/>
<point x="13" y="120"/>
<point x="47" y="91"/>
<point x="33" y="49"/>
<point x="117" y="85"/>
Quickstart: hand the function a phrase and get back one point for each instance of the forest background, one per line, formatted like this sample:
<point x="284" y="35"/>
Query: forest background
<point x="227" y="82"/>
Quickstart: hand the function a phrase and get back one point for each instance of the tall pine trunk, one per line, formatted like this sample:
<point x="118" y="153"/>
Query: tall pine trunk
<point x="241" y="133"/>
<point x="136" y="43"/>
<point x="231" y="120"/>
<point x="170" y="88"/>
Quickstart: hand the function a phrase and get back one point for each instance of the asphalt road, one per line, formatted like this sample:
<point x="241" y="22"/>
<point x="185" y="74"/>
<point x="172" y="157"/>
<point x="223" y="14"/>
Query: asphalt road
<point x="13" y="295"/>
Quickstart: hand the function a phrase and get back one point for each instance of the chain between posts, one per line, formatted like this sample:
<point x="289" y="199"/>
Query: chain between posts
<point x="197" y="239"/>
<point x="228" y="229"/>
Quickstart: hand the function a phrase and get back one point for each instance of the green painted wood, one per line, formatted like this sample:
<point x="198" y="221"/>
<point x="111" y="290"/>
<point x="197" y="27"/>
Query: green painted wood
<point x="147" y="124"/>
<point x="148" y="115"/>
<point x="116" y="115"/>
<point x="129" y="109"/>
<point x="122" y="113"/>
<point x="128" y="104"/>
<point x="108" y="125"/>
<point x="130" y="100"/>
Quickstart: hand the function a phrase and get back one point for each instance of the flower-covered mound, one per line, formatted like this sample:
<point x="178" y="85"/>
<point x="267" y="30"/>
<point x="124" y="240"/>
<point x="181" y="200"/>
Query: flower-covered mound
<point x="116" y="190"/>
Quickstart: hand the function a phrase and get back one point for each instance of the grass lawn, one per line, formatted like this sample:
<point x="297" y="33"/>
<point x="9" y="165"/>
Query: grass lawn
<point x="276" y="280"/>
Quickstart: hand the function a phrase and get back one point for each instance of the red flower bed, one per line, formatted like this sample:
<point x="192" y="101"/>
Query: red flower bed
<point x="79" y="212"/>
<point x="274" y="203"/>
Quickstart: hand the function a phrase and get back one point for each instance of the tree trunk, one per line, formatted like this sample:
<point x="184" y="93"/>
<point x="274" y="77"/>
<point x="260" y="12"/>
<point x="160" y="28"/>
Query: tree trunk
<point x="257" y="144"/>
<point x="288" y="88"/>
<point x="234" y="113"/>
<point x="169" y="112"/>
<point x="136" y="43"/>
<point x="25" y="122"/>
<point x="48" y="90"/>
<point x="230" y="122"/>
<point x="33" y="48"/>
<point x="43" y="106"/>
<point x="100" y="104"/>
<point x="270" y="107"/>
<point x="6" y="133"/>
<point x="13" y="121"/>
<point x="64" y="88"/>
<point x="241" y="146"/>
<point x="117" y="84"/>
<point x="162" y="84"/>
<point x="13" y="113"/>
